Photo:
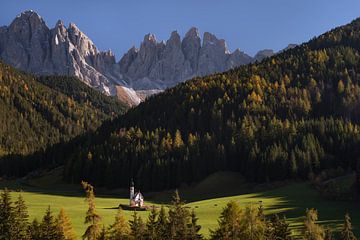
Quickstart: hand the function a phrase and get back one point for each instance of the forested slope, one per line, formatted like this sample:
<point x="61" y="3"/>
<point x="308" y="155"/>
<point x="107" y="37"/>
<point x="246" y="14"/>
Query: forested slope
<point x="39" y="112"/>
<point x="290" y="115"/>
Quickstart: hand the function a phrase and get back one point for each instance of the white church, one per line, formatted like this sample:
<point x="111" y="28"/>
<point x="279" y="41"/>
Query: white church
<point x="136" y="199"/>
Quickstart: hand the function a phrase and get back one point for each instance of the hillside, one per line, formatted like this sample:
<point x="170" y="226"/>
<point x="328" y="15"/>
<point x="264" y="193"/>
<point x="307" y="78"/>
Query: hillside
<point x="291" y="115"/>
<point x="39" y="112"/>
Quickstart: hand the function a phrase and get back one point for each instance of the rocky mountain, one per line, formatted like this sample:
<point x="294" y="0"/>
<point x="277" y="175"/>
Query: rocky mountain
<point x="30" y="45"/>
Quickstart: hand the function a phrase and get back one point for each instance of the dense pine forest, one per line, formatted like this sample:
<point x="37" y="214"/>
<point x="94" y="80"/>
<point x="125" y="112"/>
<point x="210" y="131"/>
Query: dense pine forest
<point x="289" y="116"/>
<point x="176" y="222"/>
<point x="37" y="112"/>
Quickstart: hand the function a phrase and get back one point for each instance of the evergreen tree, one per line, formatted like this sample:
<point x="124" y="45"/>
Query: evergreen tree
<point x="162" y="225"/>
<point x="229" y="223"/>
<point x="48" y="227"/>
<point x="346" y="233"/>
<point x="312" y="230"/>
<point x="278" y="229"/>
<point x="358" y="177"/>
<point x="194" y="228"/>
<point x="137" y="227"/>
<point x="92" y="218"/>
<point x="151" y="224"/>
<point x="35" y="230"/>
<point x="21" y="225"/>
<point x="178" y="218"/>
<point x="119" y="230"/>
<point x="64" y="226"/>
<point x="6" y="215"/>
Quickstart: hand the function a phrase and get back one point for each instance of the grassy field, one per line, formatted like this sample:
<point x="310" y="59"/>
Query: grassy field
<point x="207" y="198"/>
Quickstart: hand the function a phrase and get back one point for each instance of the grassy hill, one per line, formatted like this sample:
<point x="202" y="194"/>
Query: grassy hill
<point x="291" y="199"/>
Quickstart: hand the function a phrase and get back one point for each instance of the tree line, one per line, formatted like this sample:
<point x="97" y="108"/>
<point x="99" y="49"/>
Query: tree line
<point x="176" y="223"/>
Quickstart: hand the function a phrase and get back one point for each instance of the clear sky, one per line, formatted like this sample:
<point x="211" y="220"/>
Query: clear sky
<point x="250" y="25"/>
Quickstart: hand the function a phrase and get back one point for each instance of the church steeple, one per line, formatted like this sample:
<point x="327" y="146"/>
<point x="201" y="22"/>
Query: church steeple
<point x="132" y="190"/>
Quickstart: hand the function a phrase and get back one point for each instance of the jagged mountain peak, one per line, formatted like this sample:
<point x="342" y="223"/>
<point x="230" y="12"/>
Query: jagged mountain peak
<point x="193" y="33"/>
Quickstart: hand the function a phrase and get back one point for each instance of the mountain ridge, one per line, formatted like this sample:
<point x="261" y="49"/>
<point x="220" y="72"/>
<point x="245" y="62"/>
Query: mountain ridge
<point x="30" y="45"/>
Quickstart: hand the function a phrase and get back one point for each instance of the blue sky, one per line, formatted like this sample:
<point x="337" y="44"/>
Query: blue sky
<point x="250" y="25"/>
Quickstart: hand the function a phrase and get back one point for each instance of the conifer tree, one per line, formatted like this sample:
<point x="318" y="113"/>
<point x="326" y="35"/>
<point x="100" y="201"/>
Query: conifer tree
<point x="35" y="230"/>
<point x="194" y="228"/>
<point x="253" y="224"/>
<point x="48" y="227"/>
<point x="178" y="218"/>
<point x="119" y="230"/>
<point x="6" y="215"/>
<point x="103" y="234"/>
<point x="92" y="218"/>
<point x="64" y="226"/>
<point x="277" y="228"/>
<point x="328" y="234"/>
<point x="162" y="230"/>
<point x="137" y="227"/>
<point x="21" y="225"/>
<point x="229" y="226"/>
<point x="312" y="230"/>
<point x="358" y="177"/>
<point x="347" y="233"/>
<point x="151" y="224"/>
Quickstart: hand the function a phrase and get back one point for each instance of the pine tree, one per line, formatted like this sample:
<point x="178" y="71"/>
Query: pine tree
<point x="119" y="230"/>
<point x="137" y="227"/>
<point x="6" y="215"/>
<point x="92" y="218"/>
<point x="64" y="226"/>
<point x="20" y="229"/>
<point x="151" y="224"/>
<point x="35" y="230"/>
<point x="178" y="218"/>
<point x="229" y="223"/>
<point x="48" y="227"/>
<point x="312" y="230"/>
<point x="162" y="230"/>
<point x="346" y="233"/>
<point x="194" y="228"/>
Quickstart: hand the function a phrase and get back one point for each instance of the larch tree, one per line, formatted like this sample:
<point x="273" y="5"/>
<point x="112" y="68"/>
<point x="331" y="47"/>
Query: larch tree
<point x="347" y="233"/>
<point x="92" y="218"/>
<point x="64" y="226"/>
<point x="229" y="223"/>
<point x="119" y="230"/>
<point x="312" y="230"/>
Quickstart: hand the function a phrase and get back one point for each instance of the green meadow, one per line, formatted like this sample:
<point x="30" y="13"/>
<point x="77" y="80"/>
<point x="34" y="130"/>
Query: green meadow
<point x="207" y="198"/>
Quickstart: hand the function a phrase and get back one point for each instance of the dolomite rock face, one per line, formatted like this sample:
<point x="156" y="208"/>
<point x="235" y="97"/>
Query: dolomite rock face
<point x="30" y="45"/>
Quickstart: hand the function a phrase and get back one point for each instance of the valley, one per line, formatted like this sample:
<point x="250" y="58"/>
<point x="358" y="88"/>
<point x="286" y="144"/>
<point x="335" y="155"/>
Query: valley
<point x="291" y="199"/>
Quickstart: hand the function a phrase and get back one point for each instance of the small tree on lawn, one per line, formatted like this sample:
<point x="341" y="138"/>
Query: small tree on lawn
<point x="92" y="218"/>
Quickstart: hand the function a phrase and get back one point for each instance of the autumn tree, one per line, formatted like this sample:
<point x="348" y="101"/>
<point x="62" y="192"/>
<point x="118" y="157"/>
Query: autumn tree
<point x="64" y="226"/>
<point x="119" y="230"/>
<point x="347" y="233"/>
<point x="312" y="230"/>
<point x="92" y="218"/>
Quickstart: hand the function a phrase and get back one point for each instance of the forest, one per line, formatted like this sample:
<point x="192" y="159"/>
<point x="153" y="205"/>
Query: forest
<point x="289" y="116"/>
